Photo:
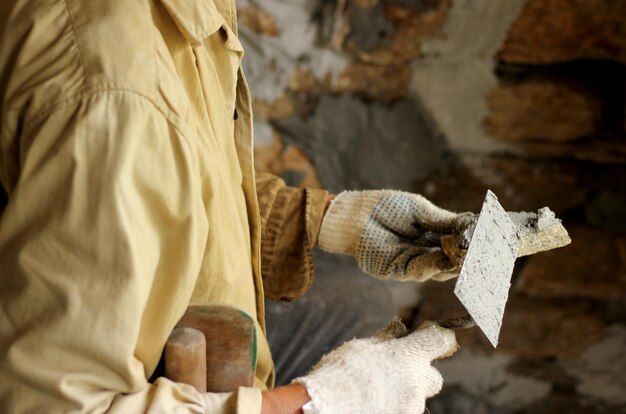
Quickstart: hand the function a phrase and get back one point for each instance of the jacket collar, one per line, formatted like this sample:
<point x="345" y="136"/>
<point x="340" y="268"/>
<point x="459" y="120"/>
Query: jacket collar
<point x="199" y="19"/>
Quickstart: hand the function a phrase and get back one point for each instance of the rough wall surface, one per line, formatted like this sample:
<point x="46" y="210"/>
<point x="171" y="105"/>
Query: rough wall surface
<point x="449" y="98"/>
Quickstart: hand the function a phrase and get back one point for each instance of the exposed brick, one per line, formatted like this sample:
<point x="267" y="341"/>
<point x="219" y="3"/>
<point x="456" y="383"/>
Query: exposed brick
<point x="304" y="89"/>
<point x="569" y="404"/>
<point x="286" y="161"/>
<point x="366" y="4"/>
<point x="541" y="329"/>
<point x="611" y="178"/>
<point x="593" y="266"/>
<point x="278" y="109"/>
<point x="550" y="31"/>
<point x="258" y="20"/>
<point x="521" y="184"/>
<point x="398" y="37"/>
<point x="604" y="150"/>
<point x="531" y="328"/>
<point x="305" y="82"/>
<point x="606" y="209"/>
<point x="373" y="81"/>
<point x="295" y="160"/>
<point x="542" y="110"/>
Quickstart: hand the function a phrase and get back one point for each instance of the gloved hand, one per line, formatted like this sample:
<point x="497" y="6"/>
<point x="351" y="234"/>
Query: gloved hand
<point x="392" y="234"/>
<point x="390" y="373"/>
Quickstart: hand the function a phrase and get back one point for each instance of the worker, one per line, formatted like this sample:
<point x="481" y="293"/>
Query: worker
<point x="128" y="192"/>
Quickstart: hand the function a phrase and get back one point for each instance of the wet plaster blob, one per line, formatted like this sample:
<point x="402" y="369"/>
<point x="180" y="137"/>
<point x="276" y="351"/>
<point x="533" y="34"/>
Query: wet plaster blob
<point x="366" y="145"/>
<point x="485" y="278"/>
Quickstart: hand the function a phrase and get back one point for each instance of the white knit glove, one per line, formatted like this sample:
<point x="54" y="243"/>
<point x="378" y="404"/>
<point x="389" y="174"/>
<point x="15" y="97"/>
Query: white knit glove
<point x="392" y="234"/>
<point x="390" y="373"/>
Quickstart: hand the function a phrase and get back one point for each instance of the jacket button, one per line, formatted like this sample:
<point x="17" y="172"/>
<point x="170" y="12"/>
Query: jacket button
<point x="236" y="115"/>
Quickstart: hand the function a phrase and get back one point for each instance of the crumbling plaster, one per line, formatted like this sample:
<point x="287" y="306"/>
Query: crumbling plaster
<point x="271" y="60"/>
<point x="357" y="145"/>
<point x="432" y="137"/>
<point x="457" y="71"/>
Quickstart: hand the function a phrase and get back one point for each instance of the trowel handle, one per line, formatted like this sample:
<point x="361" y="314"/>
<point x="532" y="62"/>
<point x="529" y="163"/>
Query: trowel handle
<point x="464" y="322"/>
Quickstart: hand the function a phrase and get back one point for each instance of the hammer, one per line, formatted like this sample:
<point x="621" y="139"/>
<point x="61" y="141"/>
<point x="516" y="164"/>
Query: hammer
<point x="213" y="348"/>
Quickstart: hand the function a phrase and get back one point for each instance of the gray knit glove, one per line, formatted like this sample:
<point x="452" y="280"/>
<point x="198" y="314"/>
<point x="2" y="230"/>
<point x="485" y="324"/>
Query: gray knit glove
<point x="390" y="373"/>
<point x="392" y="234"/>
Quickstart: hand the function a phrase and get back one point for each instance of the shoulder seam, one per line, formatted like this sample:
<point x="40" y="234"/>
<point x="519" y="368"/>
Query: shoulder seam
<point x="104" y="88"/>
<point x="81" y="56"/>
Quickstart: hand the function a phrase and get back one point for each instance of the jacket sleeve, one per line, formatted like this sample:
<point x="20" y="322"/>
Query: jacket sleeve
<point x="100" y="244"/>
<point x="290" y="220"/>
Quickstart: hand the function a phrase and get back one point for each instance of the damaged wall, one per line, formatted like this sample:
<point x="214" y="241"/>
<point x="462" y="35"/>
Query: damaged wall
<point x="449" y="98"/>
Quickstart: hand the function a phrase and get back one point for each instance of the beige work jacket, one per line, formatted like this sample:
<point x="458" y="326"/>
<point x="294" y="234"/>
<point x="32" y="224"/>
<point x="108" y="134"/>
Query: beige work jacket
<point x="128" y="192"/>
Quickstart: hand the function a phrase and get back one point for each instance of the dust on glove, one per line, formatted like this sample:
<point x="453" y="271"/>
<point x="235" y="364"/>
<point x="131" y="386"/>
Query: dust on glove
<point x="390" y="373"/>
<point x="392" y="234"/>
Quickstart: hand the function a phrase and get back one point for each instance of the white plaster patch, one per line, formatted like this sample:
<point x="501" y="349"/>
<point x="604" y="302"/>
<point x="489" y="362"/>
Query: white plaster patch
<point x="270" y="61"/>
<point x="601" y="369"/>
<point x="457" y="73"/>
<point x="485" y="376"/>
<point x="546" y="219"/>
<point x="528" y="223"/>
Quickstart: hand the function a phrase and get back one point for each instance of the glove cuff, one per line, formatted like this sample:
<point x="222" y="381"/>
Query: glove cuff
<point x="344" y="221"/>
<point x="314" y="393"/>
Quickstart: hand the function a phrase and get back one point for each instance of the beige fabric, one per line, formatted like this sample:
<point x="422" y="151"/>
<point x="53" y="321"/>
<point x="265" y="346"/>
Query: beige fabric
<point x="246" y="400"/>
<point x="129" y="193"/>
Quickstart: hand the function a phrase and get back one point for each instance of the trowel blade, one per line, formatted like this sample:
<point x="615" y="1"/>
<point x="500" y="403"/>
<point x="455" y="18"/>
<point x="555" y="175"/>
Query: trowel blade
<point x="485" y="277"/>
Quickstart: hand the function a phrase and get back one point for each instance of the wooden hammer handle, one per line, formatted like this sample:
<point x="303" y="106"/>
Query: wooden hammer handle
<point x="226" y="338"/>
<point x="185" y="357"/>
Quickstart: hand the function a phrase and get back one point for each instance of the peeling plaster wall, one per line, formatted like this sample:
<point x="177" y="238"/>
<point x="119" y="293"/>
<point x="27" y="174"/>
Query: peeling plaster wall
<point x="457" y="72"/>
<point x="359" y="145"/>
<point x="449" y="98"/>
<point x="270" y="63"/>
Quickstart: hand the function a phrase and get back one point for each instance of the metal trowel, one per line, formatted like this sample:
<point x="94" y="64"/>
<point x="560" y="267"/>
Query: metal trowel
<point x="495" y="240"/>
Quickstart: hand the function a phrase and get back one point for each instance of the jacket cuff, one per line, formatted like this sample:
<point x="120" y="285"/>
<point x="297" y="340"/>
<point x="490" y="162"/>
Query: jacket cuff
<point x="290" y="234"/>
<point x="315" y="209"/>
<point x="249" y="400"/>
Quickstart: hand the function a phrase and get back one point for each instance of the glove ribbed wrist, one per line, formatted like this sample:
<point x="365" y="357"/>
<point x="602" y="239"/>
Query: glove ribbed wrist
<point x="344" y="221"/>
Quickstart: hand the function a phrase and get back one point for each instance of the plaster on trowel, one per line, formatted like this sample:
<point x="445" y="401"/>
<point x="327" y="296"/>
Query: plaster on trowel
<point x="495" y="240"/>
